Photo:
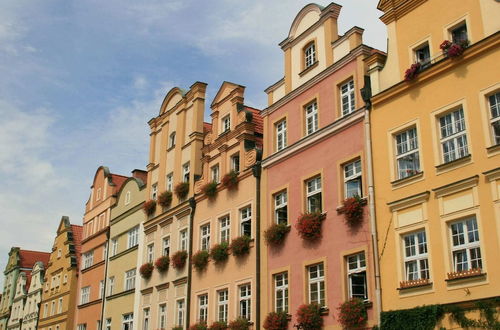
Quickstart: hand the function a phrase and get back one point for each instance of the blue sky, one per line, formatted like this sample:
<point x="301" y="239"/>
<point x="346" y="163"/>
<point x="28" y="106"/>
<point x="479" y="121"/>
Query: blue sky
<point x="80" y="80"/>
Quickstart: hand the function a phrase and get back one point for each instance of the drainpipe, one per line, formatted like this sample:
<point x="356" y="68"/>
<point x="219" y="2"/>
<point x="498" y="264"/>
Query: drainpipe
<point x="105" y="277"/>
<point x="257" y="170"/>
<point x="371" y="210"/>
<point x="192" y="204"/>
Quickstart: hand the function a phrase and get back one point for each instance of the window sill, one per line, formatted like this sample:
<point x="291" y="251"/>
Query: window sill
<point x="493" y="149"/>
<point x="414" y="284"/>
<point x="467" y="274"/>
<point x="408" y="179"/>
<point x="324" y="311"/>
<point x="309" y="68"/>
<point x="171" y="148"/>
<point x="453" y="163"/>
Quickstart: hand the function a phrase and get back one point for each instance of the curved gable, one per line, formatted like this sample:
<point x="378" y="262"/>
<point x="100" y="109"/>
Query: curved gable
<point x="131" y="184"/>
<point x="174" y="96"/>
<point x="308" y="15"/>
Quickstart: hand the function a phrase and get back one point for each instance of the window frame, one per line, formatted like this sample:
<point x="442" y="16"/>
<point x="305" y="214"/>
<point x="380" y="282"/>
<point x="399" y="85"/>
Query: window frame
<point x="494" y="120"/>
<point x="316" y="281"/>
<point x="309" y="55"/>
<point x="133" y="237"/>
<point x="453" y="136"/>
<point x="467" y="245"/>
<point x="283" y="289"/>
<point x="311" y="194"/>
<point x="171" y="140"/>
<point x="162" y="316"/>
<point x="245" y="301"/>
<point x="169" y="182"/>
<point x="226" y="123"/>
<point x="359" y="270"/>
<point x="128" y="321"/>
<point x="224" y="228"/>
<point x="85" y="295"/>
<point x="129" y="279"/>
<point x="205" y="237"/>
<point x="281" y="202"/>
<point x="88" y="259"/>
<point x="203" y="307"/>
<point x="311" y="113"/>
<point x="357" y="175"/>
<point x="180" y="309"/>
<point x="183" y="239"/>
<point x="417" y="51"/>
<point x="245" y="219"/>
<point x="409" y="147"/>
<point x="222" y="305"/>
<point x="215" y="173"/>
<point x="150" y="252"/>
<point x="111" y="285"/>
<point x="416" y="257"/>
<point x="145" y="318"/>
<point x="280" y="129"/>
<point x="347" y="105"/>
<point x="186" y="172"/>
<point x="165" y="246"/>
<point x="235" y="162"/>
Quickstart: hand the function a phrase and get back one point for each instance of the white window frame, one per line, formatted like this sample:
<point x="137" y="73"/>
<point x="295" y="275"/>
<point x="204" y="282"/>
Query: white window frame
<point x="129" y="280"/>
<point x="226" y="123"/>
<point x="281" y="208"/>
<point x="154" y="191"/>
<point x="203" y="308"/>
<point x="455" y="138"/>
<point x="407" y="153"/>
<point x="205" y="237"/>
<point x="347" y="97"/>
<point x="281" y="133"/>
<point x="133" y="237"/>
<point x="245" y="301"/>
<point x="356" y="267"/>
<point x="281" y="292"/>
<point x="145" y="318"/>
<point x="215" y="173"/>
<point x="235" y="162"/>
<point x="180" y="312"/>
<point x="60" y="306"/>
<point x="245" y="220"/>
<point x="311" y="115"/>
<point x="315" y="282"/>
<point x="494" y="116"/>
<point x="185" y="172"/>
<point x="84" y="295"/>
<point x="183" y="239"/>
<point x="162" y="316"/>
<point x="222" y="305"/>
<point x="127" y="198"/>
<point x="169" y="182"/>
<point x="111" y="285"/>
<point x="416" y="256"/>
<point x="114" y="246"/>
<point x="150" y="252"/>
<point x="309" y="55"/>
<point x="88" y="259"/>
<point x="422" y="54"/>
<point x="101" y="289"/>
<point x="224" y="228"/>
<point x="313" y="189"/>
<point x="108" y="324"/>
<point x="470" y="249"/>
<point x="171" y="140"/>
<point x="128" y="321"/>
<point x="353" y="173"/>
<point x="166" y="246"/>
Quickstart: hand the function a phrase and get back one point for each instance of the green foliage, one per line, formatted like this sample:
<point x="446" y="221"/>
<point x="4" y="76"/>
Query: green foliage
<point x="276" y="234"/>
<point x="418" y="318"/>
<point x="276" y="321"/>
<point x="240" y="246"/>
<point x="488" y="312"/>
<point x="219" y="252"/>
<point x="200" y="260"/>
<point x="239" y="324"/>
<point x="210" y="189"/>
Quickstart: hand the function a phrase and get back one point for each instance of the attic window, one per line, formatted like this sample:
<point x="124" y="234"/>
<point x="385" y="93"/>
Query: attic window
<point x="226" y="124"/>
<point x="98" y="195"/>
<point x="309" y="55"/>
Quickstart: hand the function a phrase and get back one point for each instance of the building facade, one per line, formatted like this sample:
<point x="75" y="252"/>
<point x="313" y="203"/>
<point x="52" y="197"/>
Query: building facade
<point x="122" y="280"/>
<point x="224" y="290"/>
<point x="59" y="296"/>
<point x="176" y="141"/>
<point x="91" y="277"/>
<point x="20" y="261"/>
<point x="31" y="308"/>
<point x="435" y="134"/>
<point x="315" y="160"/>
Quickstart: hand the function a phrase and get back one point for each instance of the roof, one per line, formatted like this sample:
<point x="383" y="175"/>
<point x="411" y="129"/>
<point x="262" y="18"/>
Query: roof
<point x="28" y="258"/>
<point x="207" y="127"/>
<point x="77" y="240"/>
<point x="257" y="119"/>
<point x="118" y="180"/>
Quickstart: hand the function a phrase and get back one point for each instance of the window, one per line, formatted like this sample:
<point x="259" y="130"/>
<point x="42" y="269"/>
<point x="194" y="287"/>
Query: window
<point x="52" y="308"/>
<point x="246" y="221"/>
<point x="347" y="97"/>
<point x="313" y="188"/>
<point x="494" y="102"/>
<point x="128" y="321"/>
<point x="111" y="285"/>
<point x="101" y="289"/>
<point x="466" y="251"/>
<point x="453" y="136"/>
<point x="203" y="308"/>
<point x="88" y="259"/>
<point x="154" y="191"/>
<point x="60" y="306"/>
<point x="114" y="246"/>
<point x="105" y="251"/>
<point x="226" y="123"/>
<point x="281" y="292"/>
<point x="130" y="279"/>
<point x="245" y="301"/>
<point x="281" y="135"/>
<point x="214" y="170"/>
<point x="150" y="253"/>
<point x="356" y="273"/>
<point x="280" y="208"/>
<point x="162" y="317"/>
<point x="235" y="162"/>
<point x="45" y="309"/>
<point x="224" y="229"/>
<point x="316" y="284"/>
<point x="309" y="55"/>
<point x="205" y="237"/>
<point x="133" y="237"/>
<point x="99" y="325"/>
<point x="459" y="34"/>
<point x="82" y="327"/>
<point x="127" y="198"/>
<point x="183" y="240"/>
<point x="180" y="312"/>
<point x="98" y="195"/>
<point x="171" y="140"/>
<point x="416" y="259"/>
<point x="108" y="324"/>
<point x="59" y="253"/>
<point x="170" y="182"/>
<point x="145" y="321"/>
<point x="185" y="172"/>
<point x="166" y="246"/>
<point x="65" y="279"/>
<point x="407" y="156"/>
<point x="423" y="55"/>
<point x="352" y="179"/>
<point x="222" y="305"/>
<point x="84" y="295"/>
<point x="311" y="118"/>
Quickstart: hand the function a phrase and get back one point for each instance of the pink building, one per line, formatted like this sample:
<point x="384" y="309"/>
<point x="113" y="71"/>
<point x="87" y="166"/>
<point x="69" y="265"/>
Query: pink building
<point x="314" y="158"/>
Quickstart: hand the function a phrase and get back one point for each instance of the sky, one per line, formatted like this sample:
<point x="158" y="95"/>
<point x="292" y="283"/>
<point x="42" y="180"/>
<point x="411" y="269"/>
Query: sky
<point x="81" y="78"/>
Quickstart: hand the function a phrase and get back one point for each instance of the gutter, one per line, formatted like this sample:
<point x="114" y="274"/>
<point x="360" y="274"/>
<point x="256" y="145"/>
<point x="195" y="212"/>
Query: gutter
<point x="105" y="277"/>
<point x="257" y="170"/>
<point x="192" y="204"/>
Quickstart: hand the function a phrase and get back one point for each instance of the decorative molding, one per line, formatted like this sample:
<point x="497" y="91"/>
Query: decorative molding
<point x="493" y="174"/>
<point x="180" y="281"/>
<point x="127" y="251"/>
<point x="456" y="186"/>
<point x="120" y="294"/>
<point x="409" y="201"/>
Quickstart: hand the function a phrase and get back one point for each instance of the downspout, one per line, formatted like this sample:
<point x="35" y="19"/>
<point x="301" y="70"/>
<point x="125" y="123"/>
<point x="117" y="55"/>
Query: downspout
<point x="366" y="92"/>
<point x="105" y="277"/>
<point x="257" y="170"/>
<point x="192" y="204"/>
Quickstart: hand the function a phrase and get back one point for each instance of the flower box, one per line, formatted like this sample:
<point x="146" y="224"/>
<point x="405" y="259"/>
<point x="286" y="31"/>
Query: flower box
<point x="149" y="207"/>
<point x="146" y="270"/>
<point x="165" y="199"/>
<point x="200" y="260"/>
<point x="412" y="72"/>
<point x="464" y="274"/>
<point x="276" y="321"/>
<point x="239" y="324"/>
<point x="199" y="326"/>
<point x="414" y="283"/>
<point x="162" y="263"/>
<point x="218" y="325"/>
<point x="219" y="252"/>
<point x="309" y="317"/>
<point x="352" y="209"/>
<point x="452" y="49"/>
<point x="240" y="246"/>
<point x="210" y="189"/>
<point x="230" y="180"/>
<point x="178" y="260"/>
<point x="181" y="190"/>
<point x="309" y="226"/>
<point x="352" y="314"/>
<point x="275" y="235"/>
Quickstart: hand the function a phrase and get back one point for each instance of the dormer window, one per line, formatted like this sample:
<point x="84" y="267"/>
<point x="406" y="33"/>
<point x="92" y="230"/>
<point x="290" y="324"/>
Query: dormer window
<point x="98" y="194"/>
<point x="171" y="140"/>
<point x="309" y="55"/>
<point x="423" y="54"/>
<point x="459" y="34"/>
<point x="226" y="124"/>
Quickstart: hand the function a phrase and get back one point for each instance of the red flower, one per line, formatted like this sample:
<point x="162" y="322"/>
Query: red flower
<point x="149" y="207"/>
<point x="309" y="226"/>
<point x="352" y="314"/>
<point x="179" y="259"/>
<point x="352" y="210"/>
<point x="146" y="270"/>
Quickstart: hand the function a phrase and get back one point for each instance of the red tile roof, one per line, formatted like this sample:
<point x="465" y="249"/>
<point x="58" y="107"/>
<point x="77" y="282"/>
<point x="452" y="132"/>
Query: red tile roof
<point x="77" y="240"/>
<point x="257" y="119"/>
<point x="207" y="127"/>
<point x="28" y="258"/>
<point x="118" y="180"/>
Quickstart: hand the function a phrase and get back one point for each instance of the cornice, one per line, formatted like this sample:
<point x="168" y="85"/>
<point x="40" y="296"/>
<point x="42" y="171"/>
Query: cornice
<point x="94" y="266"/>
<point x="127" y="251"/>
<point x="180" y="281"/>
<point x="120" y="294"/>
<point x="398" y="10"/>
<point x="456" y="186"/>
<point x="409" y="201"/>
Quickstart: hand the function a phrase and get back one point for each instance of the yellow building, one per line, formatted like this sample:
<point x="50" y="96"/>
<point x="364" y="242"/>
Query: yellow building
<point x="176" y="141"/>
<point x="226" y="289"/>
<point x="435" y="128"/>
<point x="59" y="297"/>
<point x="126" y="217"/>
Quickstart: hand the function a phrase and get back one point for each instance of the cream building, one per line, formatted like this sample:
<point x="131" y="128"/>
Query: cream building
<point x="33" y="298"/>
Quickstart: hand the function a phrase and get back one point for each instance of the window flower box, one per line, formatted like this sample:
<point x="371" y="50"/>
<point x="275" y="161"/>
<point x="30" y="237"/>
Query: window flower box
<point x="149" y="207"/>
<point x="181" y="190"/>
<point x="239" y="324"/>
<point x="414" y="283"/>
<point x="309" y="317"/>
<point x="179" y="259"/>
<point x="352" y="209"/>
<point x="219" y="252"/>
<point x="230" y="180"/>
<point x="412" y="72"/>
<point x="162" y="263"/>
<point x="452" y="49"/>
<point x="165" y="199"/>
<point x="218" y="325"/>
<point x="464" y="274"/>
<point x="200" y="260"/>
<point x="309" y="226"/>
<point x="352" y="314"/>
<point x="199" y="326"/>
<point x="240" y="246"/>
<point x="276" y="321"/>
<point x="146" y="270"/>
<point x="210" y="189"/>
<point x="275" y="235"/>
